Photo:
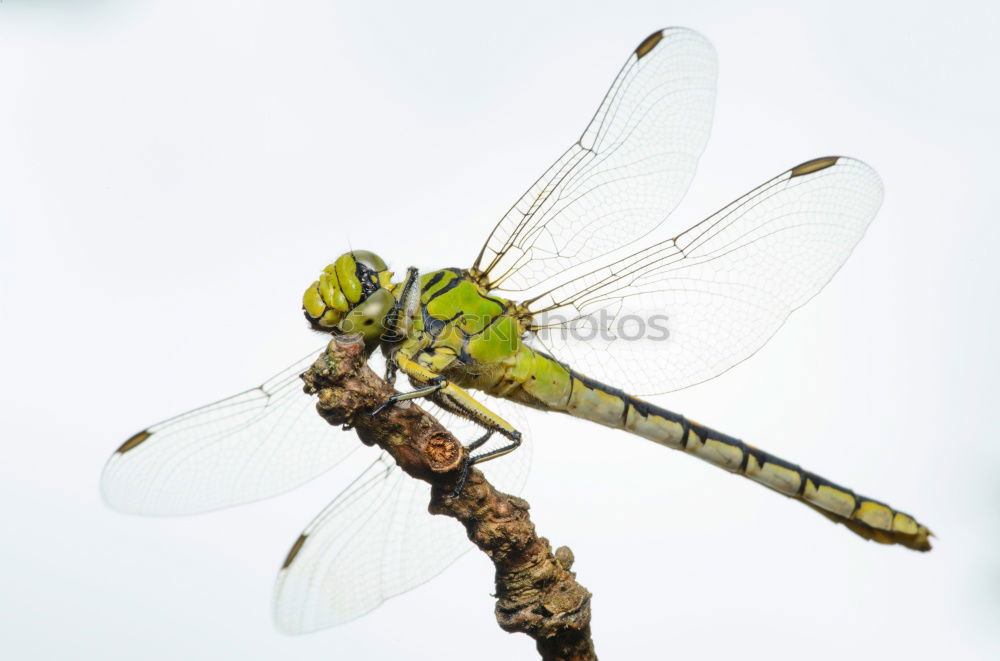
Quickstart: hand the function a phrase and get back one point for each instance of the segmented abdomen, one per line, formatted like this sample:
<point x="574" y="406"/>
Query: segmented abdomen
<point x="585" y="398"/>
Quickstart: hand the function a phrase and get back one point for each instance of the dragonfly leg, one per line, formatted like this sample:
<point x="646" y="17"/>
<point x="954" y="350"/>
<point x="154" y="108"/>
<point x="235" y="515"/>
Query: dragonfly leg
<point x="455" y="400"/>
<point x="479" y="442"/>
<point x="390" y="372"/>
<point x="464" y="475"/>
<point x="486" y="456"/>
<point x="499" y="452"/>
<point x="435" y="386"/>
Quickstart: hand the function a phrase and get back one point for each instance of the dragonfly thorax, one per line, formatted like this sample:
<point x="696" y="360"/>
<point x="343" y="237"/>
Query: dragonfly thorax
<point x="351" y="296"/>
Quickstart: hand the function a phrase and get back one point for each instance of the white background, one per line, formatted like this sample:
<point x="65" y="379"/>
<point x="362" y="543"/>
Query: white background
<point x="173" y="174"/>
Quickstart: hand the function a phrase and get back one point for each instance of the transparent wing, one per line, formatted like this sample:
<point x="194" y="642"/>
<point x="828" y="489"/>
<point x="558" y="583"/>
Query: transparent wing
<point x="250" y="446"/>
<point x="626" y="173"/>
<point x="687" y="309"/>
<point x="377" y="540"/>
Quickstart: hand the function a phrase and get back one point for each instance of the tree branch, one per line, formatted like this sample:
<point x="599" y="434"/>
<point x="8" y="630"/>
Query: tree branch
<point x="537" y="594"/>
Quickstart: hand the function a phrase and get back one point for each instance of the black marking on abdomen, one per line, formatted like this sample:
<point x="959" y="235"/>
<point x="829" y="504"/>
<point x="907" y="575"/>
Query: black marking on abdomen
<point x="641" y="406"/>
<point x="645" y="408"/>
<point x="768" y="458"/>
<point x="597" y="385"/>
<point x="687" y="432"/>
<point x="707" y="433"/>
<point x="819" y="481"/>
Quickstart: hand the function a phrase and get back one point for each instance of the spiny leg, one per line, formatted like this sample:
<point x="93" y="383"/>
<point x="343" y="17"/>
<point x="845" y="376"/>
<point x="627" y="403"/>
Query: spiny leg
<point x="435" y="385"/>
<point x="486" y="456"/>
<point x="479" y="442"/>
<point x="455" y="400"/>
<point x="459" y="402"/>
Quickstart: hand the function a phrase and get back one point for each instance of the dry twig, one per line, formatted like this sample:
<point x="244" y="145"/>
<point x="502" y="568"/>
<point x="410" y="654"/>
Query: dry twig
<point x="537" y="594"/>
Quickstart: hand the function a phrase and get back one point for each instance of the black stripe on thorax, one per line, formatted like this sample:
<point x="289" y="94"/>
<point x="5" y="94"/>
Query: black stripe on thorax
<point x="433" y="281"/>
<point x="501" y="303"/>
<point x="454" y="282"/>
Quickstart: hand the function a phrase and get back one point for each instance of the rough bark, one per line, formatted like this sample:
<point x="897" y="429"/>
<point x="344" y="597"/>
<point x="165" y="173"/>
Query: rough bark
<point x="537" y="593"/>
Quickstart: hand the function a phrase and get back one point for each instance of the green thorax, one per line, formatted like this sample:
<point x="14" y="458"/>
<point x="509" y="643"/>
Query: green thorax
<point x="459" y="325"/>
<point x="448" y="296"/>
<point x="475" y="340"/>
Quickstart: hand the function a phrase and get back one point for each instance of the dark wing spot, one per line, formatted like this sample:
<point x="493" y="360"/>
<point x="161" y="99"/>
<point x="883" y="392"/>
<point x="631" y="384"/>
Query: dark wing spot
<point x="294" y="551"/>
<point x="134" y="441"/>
<point x="814" y="165"/>
<point x="648" y="44"/>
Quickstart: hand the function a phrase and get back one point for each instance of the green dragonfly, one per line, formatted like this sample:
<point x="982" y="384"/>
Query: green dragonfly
<point x="546" y="317"/>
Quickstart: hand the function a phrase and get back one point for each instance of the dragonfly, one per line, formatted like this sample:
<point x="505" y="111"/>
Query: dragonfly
<point x="507" y="334"/>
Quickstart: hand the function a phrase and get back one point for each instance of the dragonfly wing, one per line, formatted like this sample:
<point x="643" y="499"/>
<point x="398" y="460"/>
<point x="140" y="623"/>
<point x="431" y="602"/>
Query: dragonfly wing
<point x="374" y="541"/>
<point x="352" y="556"/>
<point x="625" y="174"/>
<point x="256" y="444"/>
<point x="685" y="310"/>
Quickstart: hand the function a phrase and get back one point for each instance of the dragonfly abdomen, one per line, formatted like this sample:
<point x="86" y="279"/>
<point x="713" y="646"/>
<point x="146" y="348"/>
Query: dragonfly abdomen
<point x="592" y="400"/>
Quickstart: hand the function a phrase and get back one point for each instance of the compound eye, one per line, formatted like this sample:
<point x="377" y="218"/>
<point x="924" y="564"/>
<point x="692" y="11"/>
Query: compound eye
<point x="347" y="279"/>
<point x="368" y="317"/>
<point x="369" y="259"/>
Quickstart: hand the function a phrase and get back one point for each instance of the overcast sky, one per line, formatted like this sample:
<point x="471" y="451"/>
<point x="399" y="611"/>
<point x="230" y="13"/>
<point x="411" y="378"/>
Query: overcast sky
<point x="173" y="175"/>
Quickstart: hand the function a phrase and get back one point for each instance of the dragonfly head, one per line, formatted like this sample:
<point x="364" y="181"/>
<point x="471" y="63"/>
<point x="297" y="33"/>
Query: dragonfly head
<point x="351" y="296"/>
